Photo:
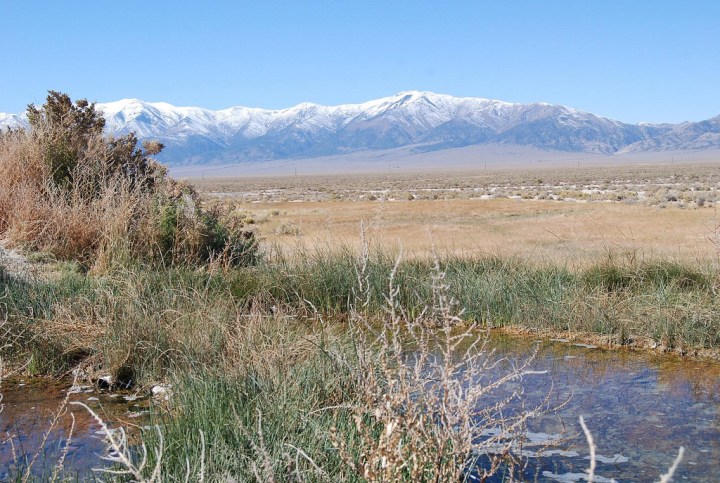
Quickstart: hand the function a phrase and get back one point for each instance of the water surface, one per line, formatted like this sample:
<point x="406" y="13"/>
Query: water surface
<point x="640" y="408"/>
<point x="29" y="409"/>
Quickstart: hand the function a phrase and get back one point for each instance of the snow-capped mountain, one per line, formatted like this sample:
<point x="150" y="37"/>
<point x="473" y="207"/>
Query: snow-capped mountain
<point x="11" y="121"/>
<point x="424" y="121"/>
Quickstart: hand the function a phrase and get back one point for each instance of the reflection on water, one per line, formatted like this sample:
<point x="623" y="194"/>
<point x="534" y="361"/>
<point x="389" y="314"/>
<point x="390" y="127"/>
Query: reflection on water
<point x="639" y="407"/>
<point x="29" y="409"/>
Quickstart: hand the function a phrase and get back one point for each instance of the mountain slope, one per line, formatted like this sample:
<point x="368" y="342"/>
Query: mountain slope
<point x="422" y="120"/>
<point x="689" y="135"/>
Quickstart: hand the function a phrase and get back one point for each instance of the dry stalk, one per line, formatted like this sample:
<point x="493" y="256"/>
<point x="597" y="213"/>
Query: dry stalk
<point x="120" y="455"/>
<point x="2" y="370"/>
<point x="128" y="465"/>
<point x="429" y="403"/>
<point x="666" y="478"/>
<point x="262" y="467"/>
<point x="591" y="445"/>
<point x="62" y="409"/>
<point x="63" y="455"/>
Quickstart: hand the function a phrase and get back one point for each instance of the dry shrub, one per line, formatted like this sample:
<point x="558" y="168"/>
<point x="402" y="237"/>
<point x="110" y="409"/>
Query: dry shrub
<point x="68" y="190"/>
<point x="67" y="221"/>
<point x="433" y="402"/>
<point x="288" y="228"/>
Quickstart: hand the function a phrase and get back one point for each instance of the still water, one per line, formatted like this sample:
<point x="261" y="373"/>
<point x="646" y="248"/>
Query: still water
<point x="29" y="408"/>
<point x="640" y="408"/>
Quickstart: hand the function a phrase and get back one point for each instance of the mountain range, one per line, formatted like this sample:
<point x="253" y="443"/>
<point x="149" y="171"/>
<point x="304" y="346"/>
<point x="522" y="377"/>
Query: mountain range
<point x="420" y="121"/>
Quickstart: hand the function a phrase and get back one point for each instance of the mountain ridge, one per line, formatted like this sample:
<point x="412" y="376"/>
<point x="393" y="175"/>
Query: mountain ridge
<point x="195" y="135"/>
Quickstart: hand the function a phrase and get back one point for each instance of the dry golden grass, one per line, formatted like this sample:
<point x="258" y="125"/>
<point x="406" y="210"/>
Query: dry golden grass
<point x="651" y="211"/>
<point x="38" y="213"/>
<point x="531" y="229"/>
<point x="105" y="203"/>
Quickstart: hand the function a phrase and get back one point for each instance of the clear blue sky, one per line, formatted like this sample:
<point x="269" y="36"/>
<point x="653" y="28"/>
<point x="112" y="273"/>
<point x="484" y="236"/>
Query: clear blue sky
<point x="630" y="60"/>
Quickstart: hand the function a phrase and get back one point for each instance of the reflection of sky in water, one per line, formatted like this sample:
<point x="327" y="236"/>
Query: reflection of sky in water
<point x="639" y="407"/>
<point x="30" y="407"/>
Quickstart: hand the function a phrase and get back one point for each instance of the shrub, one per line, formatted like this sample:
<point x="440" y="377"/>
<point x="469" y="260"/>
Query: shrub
<point x="288" y="228"/>
<point x="189" y="234"/>
<point x="68" y="190"/>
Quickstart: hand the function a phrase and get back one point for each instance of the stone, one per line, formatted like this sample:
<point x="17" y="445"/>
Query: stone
<point x="104" y="382"/>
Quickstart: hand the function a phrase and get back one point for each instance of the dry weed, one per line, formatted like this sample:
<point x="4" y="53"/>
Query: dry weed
<point x="433" y="401"/>
<point x="68" y="190"/>
<point x="664" y="478"/>
<point x="75" y="221"/>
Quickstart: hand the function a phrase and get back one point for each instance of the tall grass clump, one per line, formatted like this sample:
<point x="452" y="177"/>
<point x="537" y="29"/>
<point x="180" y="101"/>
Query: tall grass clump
<point x="67" y="189"/>
<point x="137" y="325"/>
<point x="28" y="308"/>
<point x="666" y="304"/>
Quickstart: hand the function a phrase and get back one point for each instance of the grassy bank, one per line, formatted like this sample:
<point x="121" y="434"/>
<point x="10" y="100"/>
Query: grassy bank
<point x="147" y="321"/>
<point x="269" y="384"/>
<point x="671" y="304"/>
<point x="299" y="369"/>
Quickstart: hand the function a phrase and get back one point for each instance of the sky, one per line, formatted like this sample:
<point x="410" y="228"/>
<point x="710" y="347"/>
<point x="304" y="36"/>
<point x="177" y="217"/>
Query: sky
<point x="653" y="61"/>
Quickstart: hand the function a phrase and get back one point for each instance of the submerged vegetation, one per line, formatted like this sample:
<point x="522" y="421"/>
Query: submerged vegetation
<point x="324" y="365"/>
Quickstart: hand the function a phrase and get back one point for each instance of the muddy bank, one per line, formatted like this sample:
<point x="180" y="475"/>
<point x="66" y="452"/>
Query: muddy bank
<point x="610" y="342"/>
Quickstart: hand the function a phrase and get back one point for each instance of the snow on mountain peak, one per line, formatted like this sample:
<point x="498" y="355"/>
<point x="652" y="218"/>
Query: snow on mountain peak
<point x="129" y="109"/>
<point x="407" y="118"/>
<point x="120" y="105"/>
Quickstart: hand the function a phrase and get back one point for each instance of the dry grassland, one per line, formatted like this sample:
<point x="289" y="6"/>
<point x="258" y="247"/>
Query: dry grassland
<point x="537" y="229"/>
<point x="640" y="211"/>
